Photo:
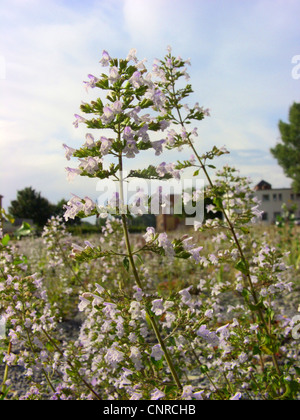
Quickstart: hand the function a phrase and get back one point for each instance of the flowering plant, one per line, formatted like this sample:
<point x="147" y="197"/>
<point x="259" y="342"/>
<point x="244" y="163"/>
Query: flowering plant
<point x="221" y="334"/>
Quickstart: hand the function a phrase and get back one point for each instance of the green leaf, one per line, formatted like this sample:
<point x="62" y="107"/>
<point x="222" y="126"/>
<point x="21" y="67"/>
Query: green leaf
<point x="5" y="240"/>
<point x="244" y="230"/>
<point x="218" y="203"/>
<point x="242" y="266"/>
<point x="126" y="263"/>
<point x="159" y="364"/>
<point x="24" y="230"/>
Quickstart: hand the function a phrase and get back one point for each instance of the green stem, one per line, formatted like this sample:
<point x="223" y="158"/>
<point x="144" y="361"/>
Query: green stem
<point x="6" y="369"/>
<point x="139" y="284"/>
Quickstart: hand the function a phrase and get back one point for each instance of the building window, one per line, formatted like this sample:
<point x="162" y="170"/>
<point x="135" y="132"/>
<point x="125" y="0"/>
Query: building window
<point x="265" y="216"/>
<point x="280" y="197"/>
<point x="298" y="196"/>
<point x="266" y="197"/>
<point x="292" y="197"/>
<point x="275" y="197"/>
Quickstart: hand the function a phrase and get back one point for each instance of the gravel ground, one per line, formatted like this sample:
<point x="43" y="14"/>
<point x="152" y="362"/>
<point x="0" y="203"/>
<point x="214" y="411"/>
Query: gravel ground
<point x="20" y="384"/>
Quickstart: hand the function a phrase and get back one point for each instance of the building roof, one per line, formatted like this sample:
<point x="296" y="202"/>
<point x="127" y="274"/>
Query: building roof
<point x="263" y="185"/>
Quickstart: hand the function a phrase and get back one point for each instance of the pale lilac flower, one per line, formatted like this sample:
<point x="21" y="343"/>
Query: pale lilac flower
<point x="156" y="96"/>
<point x="185" y="295"/>
<point x="90" y="142"/>
<point x="105" y="145"/>
<point x="158" y="146"/>
<point x="110" y="310"/>
<point x="136" y="356"/>
<point x="149" y="235"/>
<point x="169" y="319"/>
<point x="69" y="151"/>
<point x="113" y="357"/>
<point x="195" y="253"/>
<point x="89" y="206"/>
<point x="132" y="55"/>
<point x="113" y="74"/>
<point x="128" y="133"/>
<point x="157" y="352"/>
<point x="186" y="197"/>
<point x="211" y="208"/>
<point x="84" y="303"/>
<point x="158" y="307"/>
<point x="117" y="107"/>
<point x="99" y="288"/>
<point x="256" y="212"/>
<point x="198" y="395"/>
<point x="165" y="243"/>
<point x="130" y="149"/>
<point x="132" y="338"/>
<point x="136" y="396"/>
<point x="243" y="357"/>
<point x="105" y="59"/>
<point x="197" y="225"/>
<point x="138" y="295"/>
<point x="136" y="79"/>
<point x="254" y="327"/>
<point x="72" y="172"/>
<point x="73" y="207"/>
<point x="135" y="310"/>
<point x="78" y="120"/>
<point x="92" y="82"/>
<point x="164" y="124"/>
<point x="236" y="397"/>
<point x="224" y="332"/>
<point x="156" y="394"/>
<point x="188" y="394"/>
<point x="210" y="337"/>
<point x="142" y="132"/>
<point x="90" y="164"/>
<point x="170" y="140"/>
<point x="107" y="116"/>
<point x="161" y="169"/>
<point x="209" y="313"/>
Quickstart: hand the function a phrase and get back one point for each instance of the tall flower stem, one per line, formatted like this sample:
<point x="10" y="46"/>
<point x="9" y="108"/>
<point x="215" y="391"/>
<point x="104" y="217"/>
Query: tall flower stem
<point x="233" y="232"/>
<point x="6" y="369"/>
<point x="139" y="284"/>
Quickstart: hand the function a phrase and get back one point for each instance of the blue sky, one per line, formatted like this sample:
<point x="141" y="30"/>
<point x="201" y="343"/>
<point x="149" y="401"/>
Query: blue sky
<point x="241" y="53"/>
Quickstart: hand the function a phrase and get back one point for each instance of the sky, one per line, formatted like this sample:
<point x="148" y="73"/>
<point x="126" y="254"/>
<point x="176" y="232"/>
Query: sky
<point x="241" y="53"/>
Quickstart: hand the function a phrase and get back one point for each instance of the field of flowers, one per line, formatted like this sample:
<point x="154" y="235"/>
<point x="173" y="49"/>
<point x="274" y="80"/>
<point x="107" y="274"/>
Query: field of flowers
<point x="111" y="352"/>
<point x="205" y="312"/>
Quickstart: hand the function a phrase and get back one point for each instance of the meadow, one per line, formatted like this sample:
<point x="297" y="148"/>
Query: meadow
<point x="207" y="297"/>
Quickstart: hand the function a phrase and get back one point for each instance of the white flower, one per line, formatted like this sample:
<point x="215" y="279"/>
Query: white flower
<point x="157" y="394"/>
<point x="158" y="307"/>
<point x="149" y="235"/>
<point x="157" y="352"/>
<point x="83" y="303"/>
<point x="236" y="397"/>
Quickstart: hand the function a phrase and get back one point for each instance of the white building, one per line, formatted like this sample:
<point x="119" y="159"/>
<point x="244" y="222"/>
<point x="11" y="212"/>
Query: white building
<point x="272" y="200"/>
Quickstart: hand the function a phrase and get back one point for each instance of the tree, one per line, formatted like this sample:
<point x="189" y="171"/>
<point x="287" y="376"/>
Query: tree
<point x="287" y="152"/>
<point x="31" y="205"/>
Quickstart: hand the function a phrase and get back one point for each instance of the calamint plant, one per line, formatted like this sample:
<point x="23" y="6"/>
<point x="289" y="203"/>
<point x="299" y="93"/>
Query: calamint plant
<point x="197" y="315"/>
